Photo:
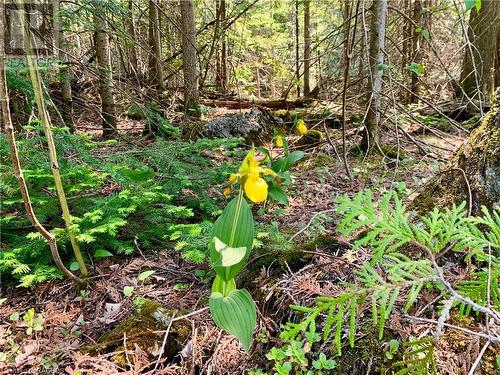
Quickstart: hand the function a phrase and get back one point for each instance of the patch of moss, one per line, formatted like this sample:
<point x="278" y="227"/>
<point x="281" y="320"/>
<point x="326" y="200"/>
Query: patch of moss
<point x="294" y="257"/>
<point x="368" y="349"/>
<point x="139" y="329"/>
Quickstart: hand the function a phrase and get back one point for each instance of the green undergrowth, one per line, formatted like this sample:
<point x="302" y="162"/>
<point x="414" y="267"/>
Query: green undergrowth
<point x="404" y="265"/>
<point x="163" y="195"/>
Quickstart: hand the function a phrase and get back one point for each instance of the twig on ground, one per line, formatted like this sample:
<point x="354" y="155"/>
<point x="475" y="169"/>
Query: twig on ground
<point x="491" y="337"/>
<point x="478" y="359"/>
<point x="310" y="222"/>
<point x="162" y="349"/>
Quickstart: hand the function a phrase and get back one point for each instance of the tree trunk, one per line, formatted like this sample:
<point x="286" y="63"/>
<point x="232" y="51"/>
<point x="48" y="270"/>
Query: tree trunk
<point x="191" y="96"/>
<point x="418" y="43"/>
<point x="297" y="54"/>
<point x="477" y="78"/>
<point x="101" y="45"/>
<point x="155" y="68"/>
<point x="64" y="74"/>
<point x="377" y="43"/>
<point x="223" y="54"/>
<point x="307" y="45"/>
<point x="497" y="65"/>
<point x="132" y="53"/>
<point x="475" y="166"/>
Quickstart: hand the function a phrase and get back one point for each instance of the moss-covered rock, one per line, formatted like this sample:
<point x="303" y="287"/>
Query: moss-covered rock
<point x="140" y="328"/>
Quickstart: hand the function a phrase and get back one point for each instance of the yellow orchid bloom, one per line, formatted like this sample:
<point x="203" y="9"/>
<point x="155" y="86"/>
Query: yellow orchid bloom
<point x="255" y="188"/>
<point x="279" y="141"/>
<point x="233" y="178"/>
<point x="301" y="126"/>
<point x="227" y="191"/>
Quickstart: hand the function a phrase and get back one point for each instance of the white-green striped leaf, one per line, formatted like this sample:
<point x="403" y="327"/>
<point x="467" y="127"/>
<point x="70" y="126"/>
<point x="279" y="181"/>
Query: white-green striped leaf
<point x="235" y="228"/>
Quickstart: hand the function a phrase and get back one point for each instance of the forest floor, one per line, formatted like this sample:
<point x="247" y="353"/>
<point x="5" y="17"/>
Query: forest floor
<point x="75" y="322"/>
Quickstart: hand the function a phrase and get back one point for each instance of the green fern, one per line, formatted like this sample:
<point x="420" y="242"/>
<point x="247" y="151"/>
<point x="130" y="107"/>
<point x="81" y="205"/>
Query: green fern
<point x="418" y="358"/>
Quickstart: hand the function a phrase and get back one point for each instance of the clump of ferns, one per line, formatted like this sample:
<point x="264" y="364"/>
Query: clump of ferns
<point x="392" y="277"/>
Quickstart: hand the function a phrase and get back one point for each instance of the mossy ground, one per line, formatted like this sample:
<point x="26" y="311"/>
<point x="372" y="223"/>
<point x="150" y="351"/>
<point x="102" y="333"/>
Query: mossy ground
<point x="141" y="329"/>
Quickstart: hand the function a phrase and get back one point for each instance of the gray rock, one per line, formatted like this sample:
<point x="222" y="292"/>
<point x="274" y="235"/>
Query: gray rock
<point x="255" y="126"/>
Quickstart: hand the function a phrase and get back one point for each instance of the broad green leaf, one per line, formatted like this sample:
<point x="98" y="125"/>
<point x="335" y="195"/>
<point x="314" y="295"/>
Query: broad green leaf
<point x="469" y="4"/>
<point x="74" y="266"/>
<point x="278" y="195"/>
<point x="101" y="253"/>
<point x="235" y="313"/>
<point x="144" y="275"/>
<point x="14" y="316"/>
<point x="382" y="67"/>
<point x="127" y="290"/>
<point x="426" y="34"/>
<point x="229" y="256"/>
<point x="416" y="68"/>
<point x="235" y="228"/>
<point x="293" y="158"/>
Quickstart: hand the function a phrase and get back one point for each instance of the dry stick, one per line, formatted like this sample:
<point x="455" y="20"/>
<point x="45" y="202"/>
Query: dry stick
<point x="490" y="338"/>
<point x="42" y="111"/>
<point x="485" y="310"/>
<point x="478" y="359"/>
<point x="330" y="141"/>
<point x="469" y="212"/>
<point x="452" y="122"/>
<point x="163" y="345"/>
<point x="9" y="132"/>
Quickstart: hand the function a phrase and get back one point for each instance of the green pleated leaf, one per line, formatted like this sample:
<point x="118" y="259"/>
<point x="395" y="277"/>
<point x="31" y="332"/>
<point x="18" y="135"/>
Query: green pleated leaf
<point x="235" y="228"/>
<point x="229" y="256"/>
<point x="235" y="313"/>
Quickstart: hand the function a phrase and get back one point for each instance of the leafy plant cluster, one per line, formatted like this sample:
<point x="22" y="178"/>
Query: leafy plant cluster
<point x="121" y="199"/>
<point x="401" y="267"/>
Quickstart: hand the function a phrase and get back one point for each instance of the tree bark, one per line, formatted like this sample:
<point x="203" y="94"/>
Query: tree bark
<point x="64" y="73"/>
<point x="101" y="45"/>
<point x="132" y="52"/>
<point x="307" y="45"/>
<point x="297" y="54"/>
<point x="473" y="173"/>
<point x="155" y="68"/>
<point x="417" y="46"/>
<point x="477" y="77"/>
<point x="191" y="95"/>
<point x="371" y="138"/>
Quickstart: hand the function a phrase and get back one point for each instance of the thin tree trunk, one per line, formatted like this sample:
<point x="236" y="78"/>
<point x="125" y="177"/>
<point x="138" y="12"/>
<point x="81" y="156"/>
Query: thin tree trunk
<point x="497" y="65"/>
<point x="132" y="53"/>
<point x="155" y="68"/>
<point x="223" y="53"/>
<point x="101" y="45"/>
<point x="64" y="74"/>
<point x="371" y="137"/>
<point x="297" y="47"/>
<point x="417" y="45"/>
<point x="191" y="95"/>
<point x="477" y="79"/>
<point x="307" y="45"/>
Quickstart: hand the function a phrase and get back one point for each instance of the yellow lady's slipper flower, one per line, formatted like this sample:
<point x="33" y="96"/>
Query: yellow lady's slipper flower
<point x="227" y="191"/>
<point x="255" y="188"/>
<point x="279" y="141"/>
<point x="233" y="178"/>
<point x="301" y="126"/>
